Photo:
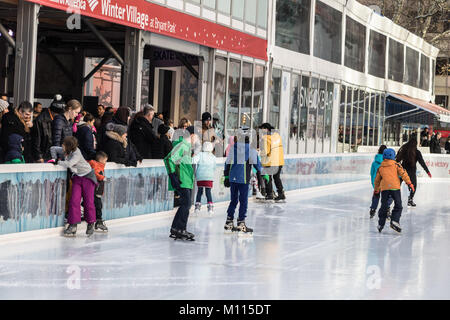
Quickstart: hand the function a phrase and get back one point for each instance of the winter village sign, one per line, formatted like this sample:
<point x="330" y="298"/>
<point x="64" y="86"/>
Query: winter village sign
<point x="151" y="17"/>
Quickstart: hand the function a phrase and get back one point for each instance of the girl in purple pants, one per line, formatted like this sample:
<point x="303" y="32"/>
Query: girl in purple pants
<point x="84" y="183"/>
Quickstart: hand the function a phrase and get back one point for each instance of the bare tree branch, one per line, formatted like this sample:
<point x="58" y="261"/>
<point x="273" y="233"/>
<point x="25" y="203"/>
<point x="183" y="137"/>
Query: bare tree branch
<point x="439" y="36"/>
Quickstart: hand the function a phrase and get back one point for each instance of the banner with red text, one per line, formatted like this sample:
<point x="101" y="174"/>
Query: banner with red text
<point x="151" y="17"/>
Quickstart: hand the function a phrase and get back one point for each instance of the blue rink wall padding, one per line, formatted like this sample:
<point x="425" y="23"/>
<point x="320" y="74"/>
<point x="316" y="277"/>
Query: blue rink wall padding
<point x="33" y="196"/>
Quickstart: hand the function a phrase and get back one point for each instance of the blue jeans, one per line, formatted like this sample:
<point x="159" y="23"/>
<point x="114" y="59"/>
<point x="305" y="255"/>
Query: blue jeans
<point x="200" y="194"/>
<point x="396" y="212"/>
<point x="376" y="200"/>
<point x="239" y="193"/>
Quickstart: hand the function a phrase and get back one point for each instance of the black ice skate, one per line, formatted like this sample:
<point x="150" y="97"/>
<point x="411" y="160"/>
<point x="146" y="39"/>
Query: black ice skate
<point x="281" y="198"/>
<point x="71" y="230"/>
<point x="411" y="203"/>
<point x="388" y="214"/>
<point x="396" y="227"/>
<point x="380" y="228"/>
<point x="101" y="226"/>
<point x="269" y="198"/>
<point x="372" y="213"/>
<point x="241" y="228"/>
<point x="90" y="229"/>
<point x="173" y="233"/>
<point x="229" y="226"/>
<point x="184" y="235"/>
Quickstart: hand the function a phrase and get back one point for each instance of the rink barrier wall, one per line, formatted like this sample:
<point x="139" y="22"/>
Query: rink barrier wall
<point x="33" y="196"/>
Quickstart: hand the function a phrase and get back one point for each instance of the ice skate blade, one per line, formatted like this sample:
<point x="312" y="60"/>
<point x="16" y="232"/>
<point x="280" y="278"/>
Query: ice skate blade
<point x="183" y="239"/>
<point x="101" y="231"/>
<point x="396" y="231"/>
<point x="71" y="235"/>
<point x="244" y="234"/>
<point x="280" y="201"/>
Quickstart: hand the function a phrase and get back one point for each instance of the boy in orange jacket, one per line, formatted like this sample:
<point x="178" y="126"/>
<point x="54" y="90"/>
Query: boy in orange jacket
<point x="99" y="167"/>
<point x="388" y="183"/>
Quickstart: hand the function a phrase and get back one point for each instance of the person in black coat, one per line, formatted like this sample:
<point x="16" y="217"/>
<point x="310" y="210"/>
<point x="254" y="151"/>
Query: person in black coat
<point x="435" y="143"/>
<point x="447" y="145"/>
<point x="163" y="145"/>
<point x="116" y="146"/>
<point x="18" y="122"/>
<point x="86" y="137"/>
<point x="141" y="132"/>
<point x="120" y="117"/>
<point x="408" y="155"/>
<point x="62" y="124"/>
<point x="41" y="132"/>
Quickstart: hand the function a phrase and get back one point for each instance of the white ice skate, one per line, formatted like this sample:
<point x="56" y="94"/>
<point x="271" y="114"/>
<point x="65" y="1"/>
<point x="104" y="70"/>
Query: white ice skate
<point x="210" y="209"/>
<point x="259" y="196"/>
<point x="198" y="207"/>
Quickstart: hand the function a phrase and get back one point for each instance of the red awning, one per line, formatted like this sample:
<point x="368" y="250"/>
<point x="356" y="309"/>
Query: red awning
<point x="442" y="114"/>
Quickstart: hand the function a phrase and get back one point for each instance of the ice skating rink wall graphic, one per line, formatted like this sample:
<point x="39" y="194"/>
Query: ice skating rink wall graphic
<point x="33" y="196"/>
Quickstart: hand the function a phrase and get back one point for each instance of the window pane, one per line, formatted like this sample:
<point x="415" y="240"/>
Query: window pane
<point x="262" y="14"/>
<point x="209" y="3"/>
<point x="327" y="33"/>
<point x="233" y="95"/>
<point x="313" y="103"/>
<point x="237" y="9"/>
<point x="328" y="117"/>
<point x="303" y="115"/>
<point x="348" y="120"/>
<point x="395" y="69"/>
<point x="292" y="25"/>
<point x="371" y="118"/>
<point x="366" y="118"/>
<point x="294" y="119"/>
<point x="250" y="11"/>
<point x="354" y="120"/>
<point x="224" y="6"/>
<point x="258" y="99"/>
<point x="274" y="108"/>
<point x="376" y="110"/>
<point x="220" y="82"/>
<point x="320" y="116"/>
<point x="424" y="72"/>
<point x="360" y="125"/>
<point x="341" y="120"/>
<point x="377" y="54"/>
<point x="412" y="67"/>
<point x="355" y="44"/>
<point x="433" y="73"/>
<point x="246" y="104"/>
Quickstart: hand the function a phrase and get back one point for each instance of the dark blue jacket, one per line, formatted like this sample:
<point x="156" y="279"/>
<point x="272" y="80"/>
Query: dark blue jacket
<point x="14" y="147"/>
<point x="61" y="128"/>
<point x="85" y="138"/>
<point x="240" y="160"/>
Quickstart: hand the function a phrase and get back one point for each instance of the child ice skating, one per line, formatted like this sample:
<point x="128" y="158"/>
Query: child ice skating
<point x="388" y="183"/>
<point x="205" y="163"/>
<point x="178" y="164"/>
<point x="373" y="173"/>
<point x="83" y="185"/>
<point x="15" y="152"/>
<point x="272" y="159"/>
<point x="99" y="168"/>
<point x="237" y="171"/>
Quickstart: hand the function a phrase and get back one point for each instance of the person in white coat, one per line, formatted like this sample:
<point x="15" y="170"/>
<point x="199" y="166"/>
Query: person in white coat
<point x="205" y="165"/>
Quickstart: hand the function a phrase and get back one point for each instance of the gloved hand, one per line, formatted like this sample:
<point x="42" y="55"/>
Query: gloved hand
<point x="376" y="193"/>
<point x="429" y="174"/>
<point x="53" y="161"/>
<point x="176" y="183"/>
<point x="411" y="186"/>
<point x="94" y="129"/>
<point x="226" y="182"/>
<point x="266" y="177"/>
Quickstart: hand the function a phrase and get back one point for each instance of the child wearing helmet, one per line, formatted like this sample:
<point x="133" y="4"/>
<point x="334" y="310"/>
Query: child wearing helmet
<point x="205" y="168"/>
<point x="388" y="183"/>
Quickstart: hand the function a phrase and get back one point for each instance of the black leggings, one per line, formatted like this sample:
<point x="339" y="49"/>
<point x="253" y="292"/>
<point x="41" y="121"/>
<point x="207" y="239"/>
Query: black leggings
<point x="413" y="177"/>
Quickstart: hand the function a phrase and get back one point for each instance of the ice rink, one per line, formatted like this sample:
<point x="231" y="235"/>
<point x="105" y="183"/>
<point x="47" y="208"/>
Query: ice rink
<point x="320" y="245"/>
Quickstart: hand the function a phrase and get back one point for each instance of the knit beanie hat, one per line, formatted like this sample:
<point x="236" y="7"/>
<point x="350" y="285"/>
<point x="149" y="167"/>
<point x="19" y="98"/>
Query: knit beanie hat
<point x="389" y="154"/>
<point x="206" y="116"/>
<point x="58" y="105"/>
<point x="117" y="128"/>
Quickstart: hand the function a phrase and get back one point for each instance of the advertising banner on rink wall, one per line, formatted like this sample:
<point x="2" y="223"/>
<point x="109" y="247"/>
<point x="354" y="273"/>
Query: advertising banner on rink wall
<point x="33" y="196"/>
<point x="144" y="15"/>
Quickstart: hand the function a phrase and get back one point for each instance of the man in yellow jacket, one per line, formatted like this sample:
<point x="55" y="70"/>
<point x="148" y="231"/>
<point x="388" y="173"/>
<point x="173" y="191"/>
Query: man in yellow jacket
<point x="388" y="183"/>
<point x="272" y="160"/>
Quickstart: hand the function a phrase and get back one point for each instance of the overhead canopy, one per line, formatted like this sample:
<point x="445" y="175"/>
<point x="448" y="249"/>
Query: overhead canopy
<point x="411" y="110"/>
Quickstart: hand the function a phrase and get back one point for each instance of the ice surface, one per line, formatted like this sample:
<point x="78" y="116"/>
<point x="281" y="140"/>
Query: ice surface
<point x="319" y="245"/>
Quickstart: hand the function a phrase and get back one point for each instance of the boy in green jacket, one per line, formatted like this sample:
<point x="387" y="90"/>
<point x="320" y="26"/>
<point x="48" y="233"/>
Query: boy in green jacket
<point x="181" y="179"/>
